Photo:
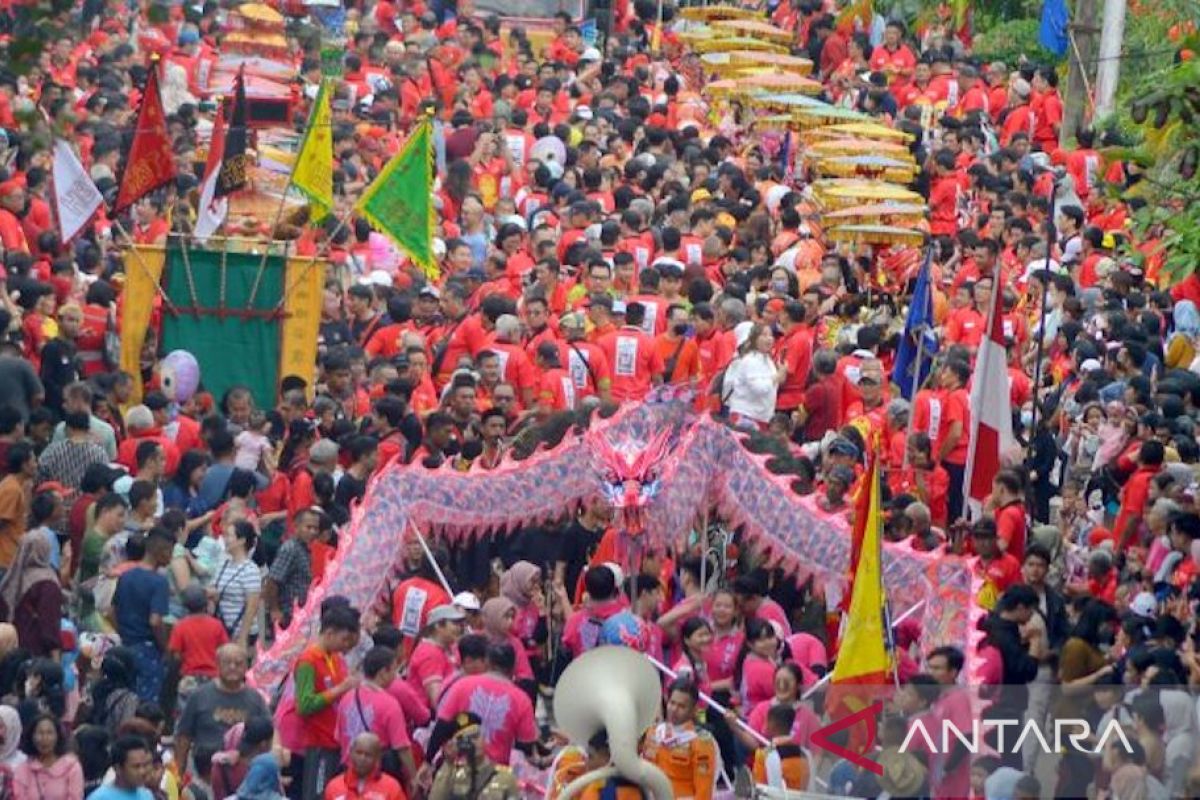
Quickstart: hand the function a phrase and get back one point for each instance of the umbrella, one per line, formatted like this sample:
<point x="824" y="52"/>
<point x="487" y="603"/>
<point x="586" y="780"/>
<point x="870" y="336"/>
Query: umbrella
<point x="857" y="147"/>
<point x="843" y="192"/>
<point x="786" y="102"/>
<point x="875" y="234"/>
<point x="785" y="63"/>
<point x="773" y="82"/>
<point x="753" y="28"/>
<point x="870" y="130"/>
<point x="886" y="213"/>
<point x="815" y="117"/>
<point x="883" y="167"/>
<point x="719" y="44"/>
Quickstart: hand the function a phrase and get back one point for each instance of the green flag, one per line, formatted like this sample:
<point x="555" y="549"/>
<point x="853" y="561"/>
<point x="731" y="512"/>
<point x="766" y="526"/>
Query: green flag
<point x="399" y="202"/>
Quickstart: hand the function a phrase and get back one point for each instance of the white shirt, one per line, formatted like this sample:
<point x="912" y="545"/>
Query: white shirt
<point x="751" y="386"/>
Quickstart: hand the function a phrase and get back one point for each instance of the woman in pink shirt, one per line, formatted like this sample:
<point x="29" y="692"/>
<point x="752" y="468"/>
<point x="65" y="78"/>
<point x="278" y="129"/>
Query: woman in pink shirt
<point x="49" y="772"/>
<point x="499" y="616"/>
<point x="696" y="638"/>
<point x="789" y="683"/>
<point x="754" y="675"/>
<point x="522" y="584"/>
<point x="722" y="656"/>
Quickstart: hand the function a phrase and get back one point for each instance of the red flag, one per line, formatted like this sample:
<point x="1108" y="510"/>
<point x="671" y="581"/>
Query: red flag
<point x="150" y="163"/>
<point x="991" y="416"/>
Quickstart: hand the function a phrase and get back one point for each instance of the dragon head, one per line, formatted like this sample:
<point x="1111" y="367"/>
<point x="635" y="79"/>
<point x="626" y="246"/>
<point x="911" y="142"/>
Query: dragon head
<point x="630" y="474"/>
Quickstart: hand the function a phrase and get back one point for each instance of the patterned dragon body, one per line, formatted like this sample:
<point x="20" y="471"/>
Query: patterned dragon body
<point x="660" y="465"/>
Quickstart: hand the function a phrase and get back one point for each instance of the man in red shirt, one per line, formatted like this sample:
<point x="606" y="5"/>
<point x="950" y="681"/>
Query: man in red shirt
<point x="635" y="361"/>
<point x="955" y="430"/>
<point x="1049" y="109"/>
<point x="1010" y="512"/>
<point x="999" y="570"/>
<point x="680" y="355"/>
<point x="1021" y="118"/>
<point x="943" y="195"/>
<point x="1083" y="163"/>
<point x="1136" y="492"/>
<point x="893" y="57"/>
<point x="364" y="780"/>
<point x="964" y="323"/>
<point x="795" y="351"/>
<point x="555" y="389"/>
<point x="997" y="89"/>
<point x="972" y="92"/>
<point x="12" y="201"/>
<point x="584" y="360"/>
<point x="716" y="350"/>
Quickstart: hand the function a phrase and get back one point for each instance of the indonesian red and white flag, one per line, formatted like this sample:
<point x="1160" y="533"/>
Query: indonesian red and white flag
<point x="991" y="412"/>
<point x="76" y="198"/>
<point x="213" y="209"/>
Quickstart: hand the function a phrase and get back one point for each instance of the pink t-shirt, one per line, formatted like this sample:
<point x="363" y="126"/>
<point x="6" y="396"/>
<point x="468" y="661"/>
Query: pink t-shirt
<point x="374" y="710"/>
<point x="414" y="704"/>
<point x="806" y="722"/>
<point x="429" y="663"/>
<point x="758" y="681"/>
<point x="524" y="669"/>
<point x="525" y="622"/>
<point x="955" y="705"/>
<point x="722" y="656"/>
<point x="505" y="712"/>
<point x="807" y="650"/>
<point x="287" y="722"/>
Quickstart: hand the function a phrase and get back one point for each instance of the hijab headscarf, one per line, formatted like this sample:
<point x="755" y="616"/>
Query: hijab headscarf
<point x="30" y="567"/>
<point x="1181" y="348"/>
<point x="493" y="613"/>
<point x="516" y="583"/>
<point x="11" y="740"/>
<point x="116" y="672"/>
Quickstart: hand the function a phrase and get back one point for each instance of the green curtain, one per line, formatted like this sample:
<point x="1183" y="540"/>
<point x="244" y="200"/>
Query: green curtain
<point x="231" y="350"/>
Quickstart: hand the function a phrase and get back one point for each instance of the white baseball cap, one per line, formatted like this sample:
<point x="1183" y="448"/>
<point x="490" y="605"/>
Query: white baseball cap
<point x="467" y="601"/>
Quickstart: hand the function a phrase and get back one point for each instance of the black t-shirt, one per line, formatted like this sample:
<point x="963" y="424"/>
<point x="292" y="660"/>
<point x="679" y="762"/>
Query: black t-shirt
<point x="577" y="546"/>
<point x="19" y="384"/>
<point x="335" y="334"/>
<point x="59" y="368"/>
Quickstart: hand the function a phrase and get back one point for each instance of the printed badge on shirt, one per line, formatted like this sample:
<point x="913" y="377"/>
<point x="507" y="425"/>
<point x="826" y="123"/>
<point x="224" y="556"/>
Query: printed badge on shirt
<point x="627" y="352"/>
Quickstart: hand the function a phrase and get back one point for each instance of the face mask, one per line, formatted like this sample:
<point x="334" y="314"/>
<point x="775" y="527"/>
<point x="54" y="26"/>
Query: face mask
<point x="779" y="286"/>
<point x="1026" y="418"/>
<point x="680" y="329"/>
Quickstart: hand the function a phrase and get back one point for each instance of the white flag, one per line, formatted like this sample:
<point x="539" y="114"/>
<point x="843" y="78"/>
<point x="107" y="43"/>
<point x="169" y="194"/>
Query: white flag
<point x="211" y="211"/>
<point x="76" y="198"/>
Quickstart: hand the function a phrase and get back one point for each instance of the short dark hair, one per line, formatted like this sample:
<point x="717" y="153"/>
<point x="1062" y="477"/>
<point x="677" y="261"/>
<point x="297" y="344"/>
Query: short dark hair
<point x="145" y="451"/>
<point x="340" y="618"/>
<point x="502" y="657"/>
<point x="600" y="582"/>
<point x="473" y="646"/>
<point x="1039" y="552"/>
<point x="954" y="657"/>
<point x="108" y="501"/>
<point x="377" y="660"/>
<point x="140" y="491"/>
<point x="124" y="745"/>
<point x="18" y="454"/>
<point x="781" y="716"/>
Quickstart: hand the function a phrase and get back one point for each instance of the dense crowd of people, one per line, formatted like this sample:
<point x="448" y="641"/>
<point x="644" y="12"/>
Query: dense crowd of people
<point x="147" y="549"/>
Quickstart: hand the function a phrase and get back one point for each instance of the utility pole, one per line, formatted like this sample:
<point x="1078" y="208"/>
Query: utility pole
<point x="1108" y="70"/>
<point x="1082" y="53"/>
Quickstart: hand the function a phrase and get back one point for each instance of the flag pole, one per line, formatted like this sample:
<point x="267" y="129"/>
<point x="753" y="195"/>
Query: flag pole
<point x="341" y="224"/>
<point x="828" y="676"/>
<point x="916" y="383"/>
<point x="262" y="264"/>
<point x="969" y="472"/>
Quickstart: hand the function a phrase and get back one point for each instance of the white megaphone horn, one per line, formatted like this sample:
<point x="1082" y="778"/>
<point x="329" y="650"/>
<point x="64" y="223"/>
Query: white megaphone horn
<point x="616" y="690"/>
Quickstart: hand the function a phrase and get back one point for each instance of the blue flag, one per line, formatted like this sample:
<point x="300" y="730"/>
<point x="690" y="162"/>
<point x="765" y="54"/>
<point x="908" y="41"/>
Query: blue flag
<point x="907" y="373"/>
<point x="1052" y="34"/>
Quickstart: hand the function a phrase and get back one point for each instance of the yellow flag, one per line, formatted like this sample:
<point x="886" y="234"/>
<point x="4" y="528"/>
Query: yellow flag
<point x="313" y="174"/>
<point x="863" y="655"/>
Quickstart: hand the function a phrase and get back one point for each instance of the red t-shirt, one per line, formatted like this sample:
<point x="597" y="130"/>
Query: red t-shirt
<point x="412" y="601"/>
<point x="429" y="663"/>
<point x="196" y="638"/>
<point x="956" y="407"/>
<point x="1134" y="496"/>
<point x="1010" y="528"/>
<point x="634" y="361"/>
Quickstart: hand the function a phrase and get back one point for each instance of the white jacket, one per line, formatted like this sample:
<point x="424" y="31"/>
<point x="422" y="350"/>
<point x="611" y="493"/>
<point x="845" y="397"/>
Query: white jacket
<point x="750" y="386"/>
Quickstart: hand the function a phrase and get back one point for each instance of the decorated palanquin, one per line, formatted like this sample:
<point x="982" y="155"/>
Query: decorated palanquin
<point x="660" y="465"/>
